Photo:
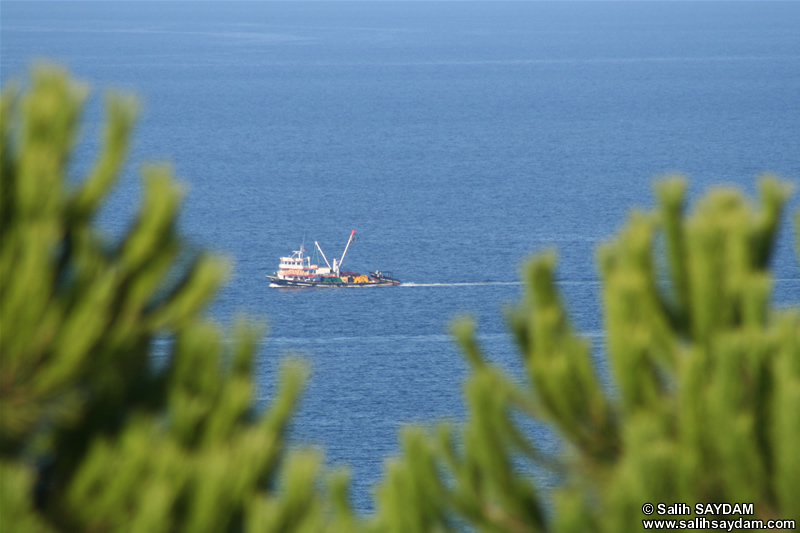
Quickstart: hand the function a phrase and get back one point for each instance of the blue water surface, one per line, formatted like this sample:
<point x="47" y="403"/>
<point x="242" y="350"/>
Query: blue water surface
<point x="458" y="138"/>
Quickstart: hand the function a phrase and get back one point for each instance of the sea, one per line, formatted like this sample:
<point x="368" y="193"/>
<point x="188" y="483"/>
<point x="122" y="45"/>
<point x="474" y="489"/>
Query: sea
<point x="458" y="138"/>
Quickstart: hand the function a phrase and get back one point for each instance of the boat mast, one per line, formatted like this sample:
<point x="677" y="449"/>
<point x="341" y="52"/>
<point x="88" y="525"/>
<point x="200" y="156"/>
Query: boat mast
<point x="322" y="254"/>
<point x="351" y="239"/>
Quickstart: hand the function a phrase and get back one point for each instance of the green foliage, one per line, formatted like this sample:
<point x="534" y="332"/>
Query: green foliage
<point x="94" y="436"/>
<point x="702" y="405"/>
<point x="123" y="409"/>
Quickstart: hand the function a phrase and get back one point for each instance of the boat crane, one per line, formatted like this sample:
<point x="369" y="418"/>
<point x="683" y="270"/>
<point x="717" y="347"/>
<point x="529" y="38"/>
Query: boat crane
<point x="337" y="264"/>
<point x="347" y="247"/>
<point x="323" y="255"/>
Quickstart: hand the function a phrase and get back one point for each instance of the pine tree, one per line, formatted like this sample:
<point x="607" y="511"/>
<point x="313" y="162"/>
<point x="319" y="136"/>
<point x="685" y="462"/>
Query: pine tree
<point x="704" y="404"/>
<point x="95" y="435"/>
<point x="122" y="408"/>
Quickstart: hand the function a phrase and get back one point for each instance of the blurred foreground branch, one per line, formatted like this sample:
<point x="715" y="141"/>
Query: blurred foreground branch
<point x="702" y="404"/>
<point x="94" y="435"/>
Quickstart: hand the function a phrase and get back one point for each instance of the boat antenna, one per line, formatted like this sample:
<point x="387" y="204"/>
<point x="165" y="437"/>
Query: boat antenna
<point x="351" y="239"/>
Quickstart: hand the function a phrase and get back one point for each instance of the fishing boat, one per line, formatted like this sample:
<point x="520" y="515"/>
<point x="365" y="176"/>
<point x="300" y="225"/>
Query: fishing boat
<point x="297" y="270"/>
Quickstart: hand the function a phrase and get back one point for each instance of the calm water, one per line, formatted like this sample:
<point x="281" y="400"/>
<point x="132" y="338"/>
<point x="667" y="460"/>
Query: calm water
<point x="457" y="138"/>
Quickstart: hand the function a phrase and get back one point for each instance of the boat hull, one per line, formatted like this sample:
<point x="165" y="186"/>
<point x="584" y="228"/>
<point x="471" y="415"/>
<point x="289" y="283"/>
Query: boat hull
<point x="279" y="282"/>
